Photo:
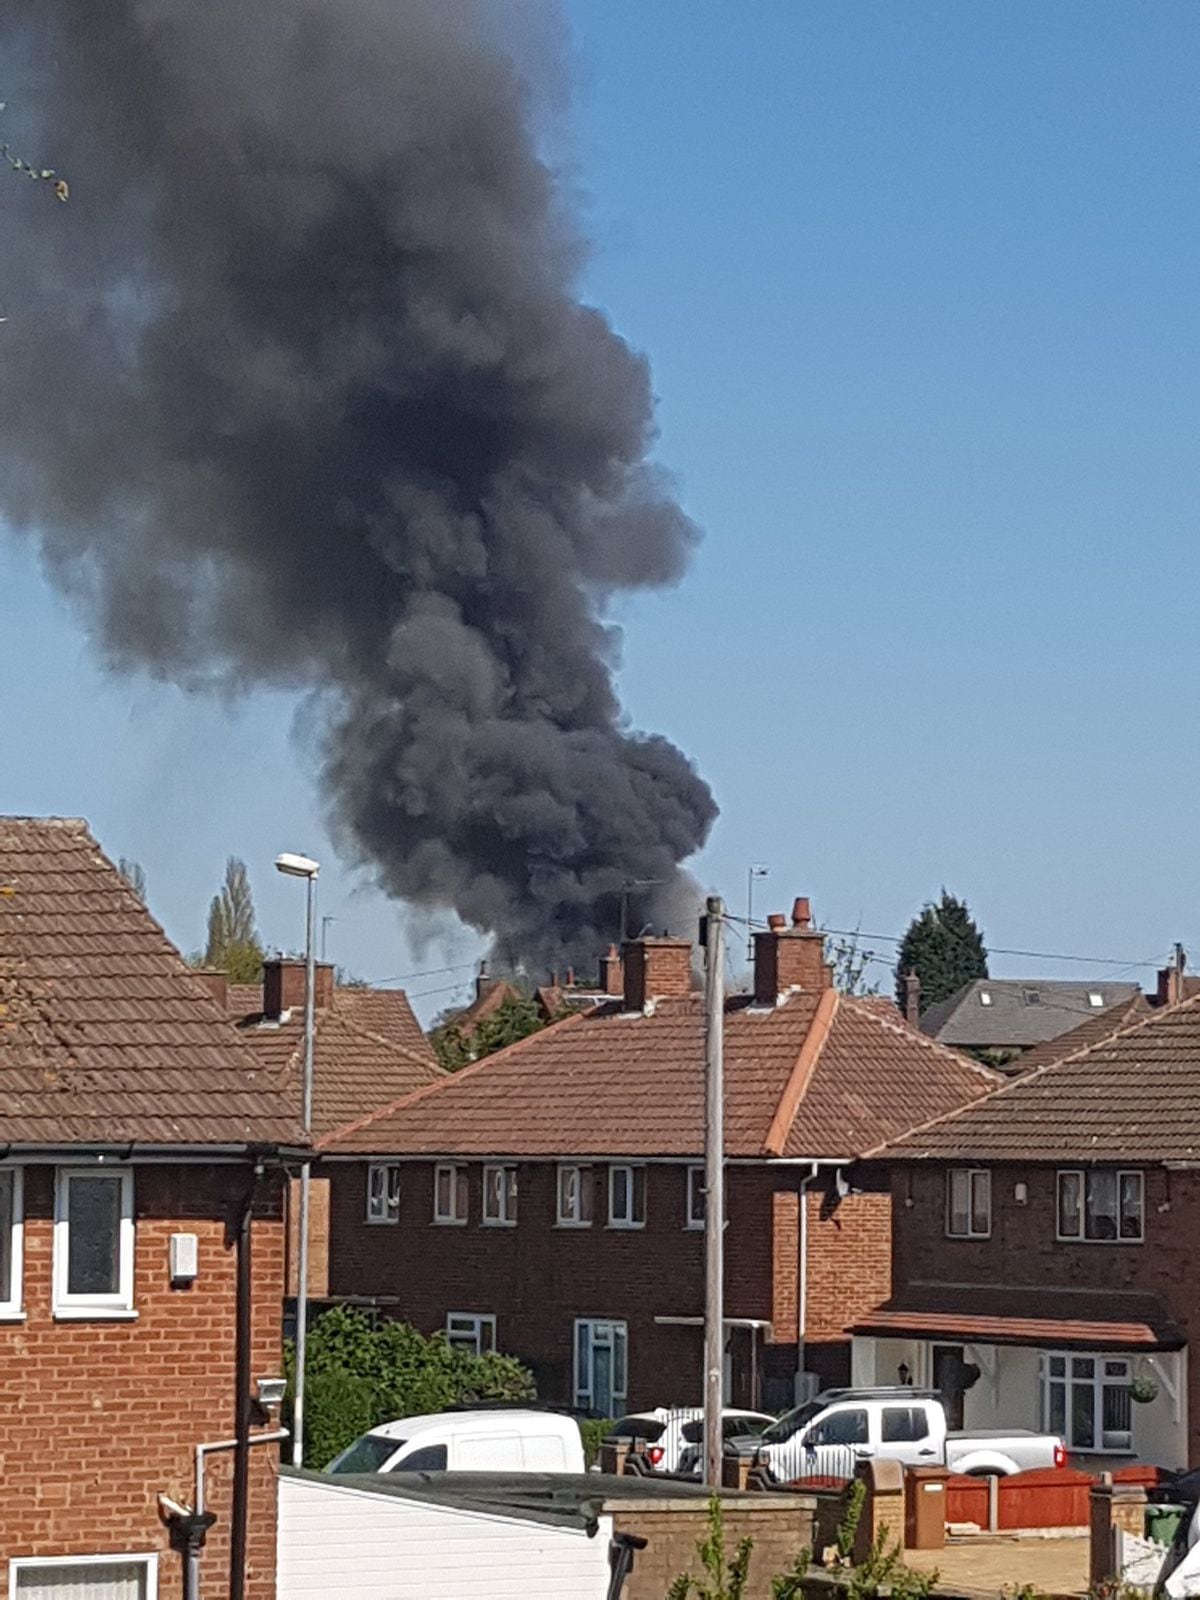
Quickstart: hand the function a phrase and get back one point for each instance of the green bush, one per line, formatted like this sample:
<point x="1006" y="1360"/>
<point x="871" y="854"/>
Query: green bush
<point x="594" y="1431"/>
<point x="362" y="1372"/>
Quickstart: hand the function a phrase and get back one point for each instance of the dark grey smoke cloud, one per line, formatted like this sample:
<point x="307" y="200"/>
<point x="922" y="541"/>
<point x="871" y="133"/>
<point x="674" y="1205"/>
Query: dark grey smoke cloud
<point x="298" y="389"/>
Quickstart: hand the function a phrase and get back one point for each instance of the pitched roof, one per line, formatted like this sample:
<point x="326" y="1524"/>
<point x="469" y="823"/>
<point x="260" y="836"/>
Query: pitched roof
<point x="106" y="1034"/>
<point x="368" y="1050"/>
<point x="811" y="1077"/>
<point x="1134" y="1096"/>
<point x="1017" y="1012"/>
<point x="1094" y="1028"/>
<point x="1025" y="1314"/>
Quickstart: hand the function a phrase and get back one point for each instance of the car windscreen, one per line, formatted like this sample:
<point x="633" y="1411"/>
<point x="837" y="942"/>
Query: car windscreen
<point x="787" y="1425"/>
<point x="367" y="1454"/>
<point x="731" y="1428"/>
<point x="647" y="1428"/>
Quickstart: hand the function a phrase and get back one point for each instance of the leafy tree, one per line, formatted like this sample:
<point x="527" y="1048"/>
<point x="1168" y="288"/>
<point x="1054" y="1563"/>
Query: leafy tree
<point x="233" y="944"/>
<point x="516" y="1017"/>
<point x="134" y="875"/>
<point x="361" y="1373"/>
<point x="944" y="948"/>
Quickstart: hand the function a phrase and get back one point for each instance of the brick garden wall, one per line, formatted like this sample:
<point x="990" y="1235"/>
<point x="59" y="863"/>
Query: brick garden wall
<point x="98" y="1417"/>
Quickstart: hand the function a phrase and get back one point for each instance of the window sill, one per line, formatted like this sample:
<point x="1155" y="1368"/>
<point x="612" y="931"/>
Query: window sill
<point x="1109" y="1244"/>
<point x="967" y="1238"/>
<point x="498" y="1222"/>
<point x="693" y="1227"/>
<point x="382" y="1222"/>
<point x="11" y="1314"/>
<point x="94" y="1314"/>
<point x="449" y="1222"/>
<point x="572" y="1227"/>
<point x="626" y="1227"/>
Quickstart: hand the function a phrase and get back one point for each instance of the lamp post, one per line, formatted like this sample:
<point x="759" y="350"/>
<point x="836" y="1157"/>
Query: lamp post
<point x="297" y="866"/>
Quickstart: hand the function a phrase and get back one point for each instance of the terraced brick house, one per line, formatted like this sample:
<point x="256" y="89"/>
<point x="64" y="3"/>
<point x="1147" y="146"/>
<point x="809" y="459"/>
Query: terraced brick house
<point x="141" y="1237"/>
<point x="1043" y="1249"/>
<point x="548" y="1200"/>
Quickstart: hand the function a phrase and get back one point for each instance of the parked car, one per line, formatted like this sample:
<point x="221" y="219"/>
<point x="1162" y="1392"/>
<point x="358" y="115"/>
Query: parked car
<point x="468" y="1441"/>
<point x="831" y="1434"/>
<point x="733" y="1426"/>
<point x="667" y="1434"/>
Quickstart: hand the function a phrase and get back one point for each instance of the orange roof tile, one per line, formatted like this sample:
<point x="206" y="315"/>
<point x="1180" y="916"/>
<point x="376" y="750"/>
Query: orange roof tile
<point x="106" y="1034"/>
<point x="604" y="1082"/>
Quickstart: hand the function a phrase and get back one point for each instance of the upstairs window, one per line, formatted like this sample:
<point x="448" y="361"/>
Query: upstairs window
<point x="383" y="1191"/>
<point x="93" y="1242"/>
<point x="450" y="1193"/>
<point x="626" y="1197"/>
<point x="11" y="1240"/>
<point x="500" y="1197"/>
<point x="574" y="1196"/>
<point x="1101" y="1205"/>
<point x="968" y="1203"/>
<point x="695" y="1197"/>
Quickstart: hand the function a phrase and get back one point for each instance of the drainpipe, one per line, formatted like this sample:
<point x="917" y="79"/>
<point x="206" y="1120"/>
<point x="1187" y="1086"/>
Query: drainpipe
<point x="802" y="1331"/>
<point x="243" y="1412"/>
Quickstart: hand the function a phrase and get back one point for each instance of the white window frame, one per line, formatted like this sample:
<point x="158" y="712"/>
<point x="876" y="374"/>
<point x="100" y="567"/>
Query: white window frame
<point x="19" y="1564"/>
<point x="88" y="1306"/>
<point x="635" y="1181"/>
<point x="1083" y="1174"/>
<point x="503" y="1212"/>
<point x="694" y="1218"/>
<point x="383" y="1193"/>
<point x="459" y="1191"/>
<point x="580" y="1215"/>
<point x="617" y="1331"/>
<point x="973" y="1175"/>
<point x="12" y="1309"/>
<point x="462" y="1326"/>
<point x="1098" y="1382"/>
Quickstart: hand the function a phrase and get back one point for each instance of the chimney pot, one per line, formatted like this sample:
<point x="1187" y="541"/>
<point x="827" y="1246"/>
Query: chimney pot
<point x="777" y="920"/>
<point x="790" y="958"/>
<point x="612" y="972"/>
<point x="912" y="999"/>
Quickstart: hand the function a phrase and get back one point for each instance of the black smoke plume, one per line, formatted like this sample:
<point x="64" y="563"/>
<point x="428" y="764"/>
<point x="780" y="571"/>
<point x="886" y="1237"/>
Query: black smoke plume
<point x="298" y="390"/>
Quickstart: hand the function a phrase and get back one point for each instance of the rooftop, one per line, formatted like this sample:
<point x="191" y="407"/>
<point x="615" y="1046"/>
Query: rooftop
<point x="1007" y="1013"/>
<point x="816" y="1075"/>
<point x="1132" y="1096"/>
<point x="107" y="1036"/>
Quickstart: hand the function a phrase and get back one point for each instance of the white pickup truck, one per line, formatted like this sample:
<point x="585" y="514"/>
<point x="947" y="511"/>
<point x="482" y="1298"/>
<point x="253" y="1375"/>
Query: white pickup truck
<point x="831" y="1434"/>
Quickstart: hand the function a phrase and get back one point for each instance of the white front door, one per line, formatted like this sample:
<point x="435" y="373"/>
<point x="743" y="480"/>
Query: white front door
<point x="601" y="1366"/>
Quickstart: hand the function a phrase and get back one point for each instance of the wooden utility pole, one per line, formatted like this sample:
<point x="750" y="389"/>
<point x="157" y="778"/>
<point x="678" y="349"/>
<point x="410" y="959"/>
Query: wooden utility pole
<point x="714" y="1189"/>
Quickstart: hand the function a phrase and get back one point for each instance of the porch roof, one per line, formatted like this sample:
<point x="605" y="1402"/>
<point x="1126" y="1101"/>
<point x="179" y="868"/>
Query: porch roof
<point x="1020" y="1315"/>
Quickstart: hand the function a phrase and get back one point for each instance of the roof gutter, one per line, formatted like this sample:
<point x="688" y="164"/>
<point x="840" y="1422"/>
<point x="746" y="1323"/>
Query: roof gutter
<point x="163" y="1153"/>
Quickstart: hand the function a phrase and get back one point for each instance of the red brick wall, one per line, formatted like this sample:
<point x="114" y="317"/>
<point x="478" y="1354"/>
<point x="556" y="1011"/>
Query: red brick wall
<point x="537" y="1278"/>
<point x="98" y="1418"/>
<point x="1023" y="1249"/>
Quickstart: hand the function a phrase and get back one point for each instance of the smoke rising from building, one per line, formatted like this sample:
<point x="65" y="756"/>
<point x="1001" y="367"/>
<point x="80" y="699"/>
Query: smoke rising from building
<point x="298" y="390"/>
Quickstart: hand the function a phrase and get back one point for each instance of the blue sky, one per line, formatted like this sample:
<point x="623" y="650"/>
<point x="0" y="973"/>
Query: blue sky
<point x="919" y="287"/>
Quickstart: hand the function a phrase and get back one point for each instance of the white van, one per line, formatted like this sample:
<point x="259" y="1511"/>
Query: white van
<point x="468" y="1441"/>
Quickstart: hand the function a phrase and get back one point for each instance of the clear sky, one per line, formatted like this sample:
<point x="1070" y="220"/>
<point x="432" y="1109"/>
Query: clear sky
<point x="919" y="286"/>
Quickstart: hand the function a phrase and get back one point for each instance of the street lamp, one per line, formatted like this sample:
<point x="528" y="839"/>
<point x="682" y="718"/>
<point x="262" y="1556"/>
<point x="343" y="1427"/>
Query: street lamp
<point x="298" y="866"/>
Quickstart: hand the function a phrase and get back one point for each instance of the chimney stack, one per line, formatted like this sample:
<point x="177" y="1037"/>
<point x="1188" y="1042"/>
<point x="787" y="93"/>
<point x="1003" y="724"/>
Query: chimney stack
<point x="656" y="969"/>
<point x="612" y="972"/>
<point x="216" y="981"/>
<point x="283" y="985"/>
<point x="790" y="958"/>
<point x="912" y="999"/>
<point x="1171" y="986"/>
